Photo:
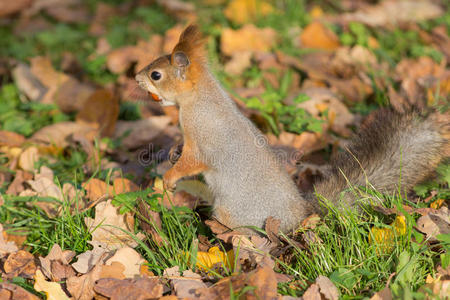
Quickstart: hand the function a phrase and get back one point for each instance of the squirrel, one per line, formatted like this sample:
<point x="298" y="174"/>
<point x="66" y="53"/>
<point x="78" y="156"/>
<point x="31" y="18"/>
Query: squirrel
<point x="247" y="180"/>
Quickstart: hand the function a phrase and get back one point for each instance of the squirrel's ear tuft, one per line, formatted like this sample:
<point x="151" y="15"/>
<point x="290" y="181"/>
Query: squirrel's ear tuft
<point x="190" y="48"/>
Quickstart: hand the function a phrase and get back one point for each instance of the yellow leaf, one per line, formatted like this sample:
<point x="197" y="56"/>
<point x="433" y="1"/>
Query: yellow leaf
<point x="243" y="11"/>
<point x="206" y="260"/>
<point x="385" y="237"/>
<point x="318" y="36"/>
<point x="316" y="12"/>
<point x="437" y="204"/>
<point x="52" y="290"/>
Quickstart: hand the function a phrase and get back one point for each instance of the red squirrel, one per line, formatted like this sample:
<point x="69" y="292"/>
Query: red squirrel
<point x="247" y="180"/>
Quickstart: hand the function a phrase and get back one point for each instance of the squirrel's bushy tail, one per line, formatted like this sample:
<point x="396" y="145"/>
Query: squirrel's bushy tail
<point x="391" y="153"/>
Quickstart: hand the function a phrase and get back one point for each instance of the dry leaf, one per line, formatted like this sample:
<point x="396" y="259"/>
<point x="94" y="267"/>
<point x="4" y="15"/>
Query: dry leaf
<point x="207" y="260"/>
<point x="20" y="263"/>
<point x="263" y="281"/>
<point x="434" y="224"/>
<point x="436" y="288"/>
<point x="392" y="12"/>
<point x="95" y="188"/>
<point x="238" y="63"/>
<point x="327" y="288"/>
<point x="82" y="287"/>
<point x="221" y="231"/>
<point x="249" y="38"/>
<point x="16" y="186"/>
<point x="100" y="112"/>
<point x="384" y="294"/>
<point x="186" y="286"/>
<point x="124" y="185"/>
<point x="114" y="270"/>
<point x="57" y="134"/>
<point x="55" y="264"/>
<point x="52" y="290"/>
<point x="130" y="259"/>
<point x="11" y="139"/>
<point x="317" y="36"/>
<point x="139" y="289"/>
<point x="9" y="291"/>
<point x="6" y="247"/>
<point x="253" y="251"/>
<point x="109" y="227"/>
<point x="243" y="11"/>
<point x="28" y="158"/>
<point x="89" y="259"/>
<point x="27" y="83"/>
<point x="72" y="95"/>
<point x="141" y="132"/>
<point x="12" y="7"/>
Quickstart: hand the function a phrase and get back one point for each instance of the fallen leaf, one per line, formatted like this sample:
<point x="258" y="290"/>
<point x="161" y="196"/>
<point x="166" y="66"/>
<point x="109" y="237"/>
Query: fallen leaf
<point x="57" y="134"/>
<point x="385" y="237"/>
<point x="263" y="281"/>
<point x="20" y="263"/>
<point x="243" y="11"/>
<point x="436" y="288"/>
<point x="28" y="158"/>
<point x="82" y="287"/>
<point x="69" y="12"/>
<point x="207" y="260"/>
<point x="186" y="286"/>
<point x="139" y="289"/>
<point x="253" y="251"/>
<point x="89" y="259"/>
<point x="55" y="264"/>
<point x="434" y="224"/>
<point x="96" y="188"/>
<point x="141" y="132"/>
<point x="16" y="186"/>
<point x="393" y="12"/>
<point x="384" y="294"/>
<point x="327" y="288"/>
<point x="249" y="38"/>
<point x="272" y="227"/>
<point x="130" y="259"/>
<point x="178" y="8"/>
<point x="124" y="185"/>
<point x="9" y="291"/>
<point x="6" y="247"/>
<point x="52" y="290"/>
<point x="109" y="227"/>
<point x="238" y="63"/>
<point x="317" y="36"/>
<point x="114" y="270"/>
<point x="27" y="83"/>
<point x="100" y="112"/>
<point x="72" y="95"/>
<point x="221" y="231"/>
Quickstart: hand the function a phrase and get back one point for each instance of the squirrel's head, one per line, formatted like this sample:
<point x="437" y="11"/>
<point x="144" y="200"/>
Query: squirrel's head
<point x="171" y="78"/>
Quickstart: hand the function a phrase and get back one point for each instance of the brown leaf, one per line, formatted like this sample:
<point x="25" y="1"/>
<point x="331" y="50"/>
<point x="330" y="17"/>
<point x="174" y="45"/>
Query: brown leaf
<point x="103" y="13"/>
<point x="263" y="281"/>
<point x="434" y="224"/>
<point x="28" y="158"/>
<point x="312" y="293"/>
<point x="96" y="188"/>
<point x="221" y="231"/>
<point x="9" y="291"/>
<point x="253" y="251"/>
<point x="72" y="95"/>
<point x="16" y="186"/>
<point x="89" y="259"/>
<point x="243" y="11"/>
<point x="186" y="286"/>
<point x="69" y="12"/>
<point x="149" y="221"/>
<point x="317" y="36"/>
<point x="27" y="83"/>
<point x="124" y="185"/>
<point x="55" y="264"/>
<point x="20" y="263"/>
<point x="12" y="7"/>
<point x="384" y="294"/>
<point x="82" y="287"/>
<point x="327" y="288"/>
<point x="238" y="63"/>
<point x="141" y="132"/>
<point x="6" y="247"/>
<point x="393" y="12"/>
<point x="130" y="259"/>
<point x="139" y="289"/>
<point x="57" y="134"/>
<point x="11" y="139"/>
<point x="109" y="227"/>
<point x="114" y="270"/>
<point x="100" y="112"/>
<point x="249" y="38"/>
<point x="272" y="227"/>
<point x="53" y="290"/>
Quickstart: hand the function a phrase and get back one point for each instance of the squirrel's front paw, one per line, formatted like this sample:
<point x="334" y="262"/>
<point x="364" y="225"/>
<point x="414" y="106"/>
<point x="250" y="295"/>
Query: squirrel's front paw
<point x="169" y="181"/>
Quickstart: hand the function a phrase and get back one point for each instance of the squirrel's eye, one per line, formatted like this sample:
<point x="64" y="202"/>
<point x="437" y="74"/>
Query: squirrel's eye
<point x="155" y="75"/>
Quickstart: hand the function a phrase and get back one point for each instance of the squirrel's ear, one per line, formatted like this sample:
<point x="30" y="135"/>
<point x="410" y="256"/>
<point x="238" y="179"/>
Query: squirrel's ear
<point x="180" y="59"/>
<point x="189" y="53"/>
